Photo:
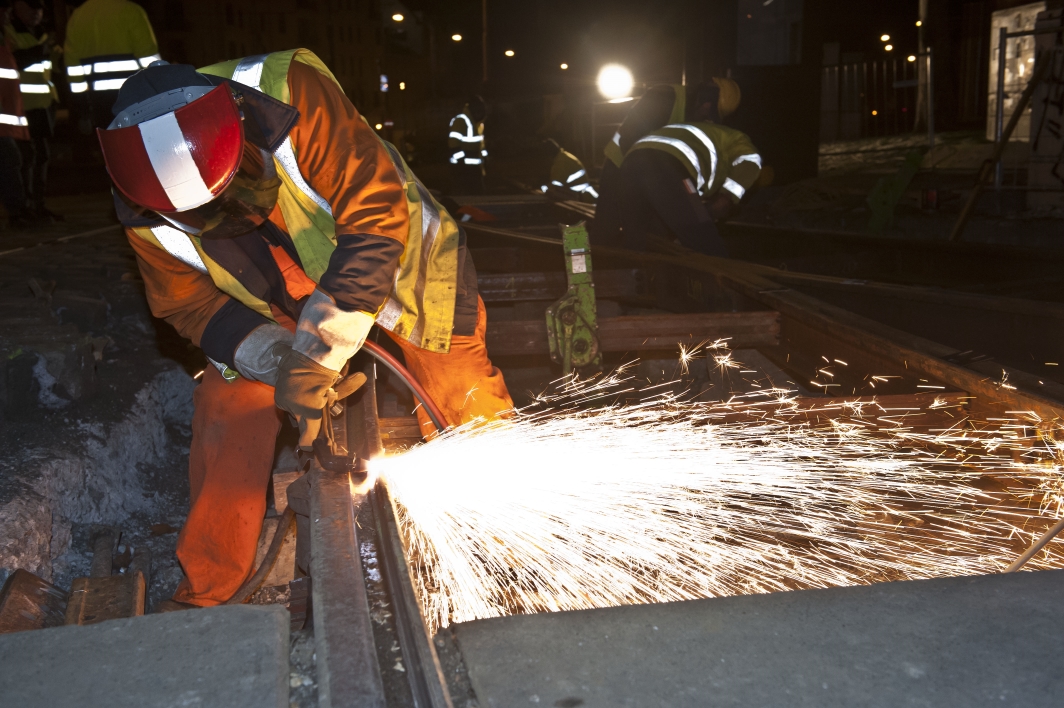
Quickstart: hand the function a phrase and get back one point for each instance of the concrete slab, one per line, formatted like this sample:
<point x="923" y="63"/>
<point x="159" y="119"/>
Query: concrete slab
<point x="229" y="657"/>
<point x="965" y="642"/>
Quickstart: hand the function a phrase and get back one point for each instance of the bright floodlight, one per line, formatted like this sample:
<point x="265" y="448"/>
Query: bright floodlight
<point x="565" y="66"/>
<point x="398" y="17"/>
<point x="614" y="81"/>
<point x="456" y="38"/>
<point x="885" y="38"/>
<point x="509" y="52"/>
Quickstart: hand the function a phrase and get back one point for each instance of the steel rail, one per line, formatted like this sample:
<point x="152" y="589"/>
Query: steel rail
<point x="349" y="673"/>
<point x="423" y="670"/>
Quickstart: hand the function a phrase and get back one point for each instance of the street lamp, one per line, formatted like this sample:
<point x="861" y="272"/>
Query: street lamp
<point x="456" y="37"/>
<point x="889" y="47"/>
<point x="564" y="66"/>
<point x="885" y="38"/>
<point x="614" y="81"/>
<point x="911" y="57"/>
<point x="398" y="17"/>
<point x="509" y="52"/>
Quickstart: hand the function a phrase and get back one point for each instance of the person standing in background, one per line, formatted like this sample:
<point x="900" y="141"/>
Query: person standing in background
<point x="466" y="143"/>
<point x="107" y="41"/>
<point x="13" y="130"/>
<point x="33" y="49"/>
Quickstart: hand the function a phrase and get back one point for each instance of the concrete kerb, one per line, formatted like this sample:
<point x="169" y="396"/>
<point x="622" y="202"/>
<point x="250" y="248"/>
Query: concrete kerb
<point x="229" y="657"/>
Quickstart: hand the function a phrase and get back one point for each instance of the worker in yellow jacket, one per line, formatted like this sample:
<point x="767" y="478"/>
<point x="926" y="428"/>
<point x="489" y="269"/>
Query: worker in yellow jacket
<point x="107" y="41"/>
<point x="34" y="50"/>
<point x="677" y="181"/>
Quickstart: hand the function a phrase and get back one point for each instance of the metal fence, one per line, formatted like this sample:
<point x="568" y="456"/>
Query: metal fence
<point x="872" y="98"/>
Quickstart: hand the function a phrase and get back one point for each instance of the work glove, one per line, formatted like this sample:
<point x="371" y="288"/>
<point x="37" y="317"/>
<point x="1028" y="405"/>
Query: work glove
<point x="259" y="355"/>
<point x="305" y="387"/>
<point x="326" y="337"/>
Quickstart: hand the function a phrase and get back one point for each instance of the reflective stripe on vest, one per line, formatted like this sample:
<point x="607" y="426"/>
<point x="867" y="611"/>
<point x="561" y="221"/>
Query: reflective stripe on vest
<point x="108" y="75"/>
<point x="179" y="245"/>
<point x="752" y="157"/>
<point x="687" y="150"/>
<point x="470" y="138"/>
<point x="35" y="78"/>
<point x="734" y="187"/>
<point x="249" y="73"/>
<point x="420" y="307"/>
<point x="9" y="119"/>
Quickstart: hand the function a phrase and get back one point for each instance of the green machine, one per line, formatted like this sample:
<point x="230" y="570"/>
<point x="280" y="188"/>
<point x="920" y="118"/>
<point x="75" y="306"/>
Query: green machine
<point x="571" y="323"/>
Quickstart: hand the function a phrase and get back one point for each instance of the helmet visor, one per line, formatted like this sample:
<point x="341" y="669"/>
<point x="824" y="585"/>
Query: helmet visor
<point x="244" y="204"/>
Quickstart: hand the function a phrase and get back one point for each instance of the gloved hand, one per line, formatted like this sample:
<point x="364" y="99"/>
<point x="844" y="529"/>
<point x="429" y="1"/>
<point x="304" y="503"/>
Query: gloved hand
<point x="259" y="355"/>
<point x="302" y="389"/>
<point x="326" y="337"/>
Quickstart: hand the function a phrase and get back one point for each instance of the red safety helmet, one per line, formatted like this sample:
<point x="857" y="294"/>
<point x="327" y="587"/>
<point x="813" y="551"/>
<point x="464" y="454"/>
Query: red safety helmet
<point x="191" y="163"/>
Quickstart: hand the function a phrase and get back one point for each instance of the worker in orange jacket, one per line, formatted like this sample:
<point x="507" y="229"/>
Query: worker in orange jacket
<point x="274" y="228"/>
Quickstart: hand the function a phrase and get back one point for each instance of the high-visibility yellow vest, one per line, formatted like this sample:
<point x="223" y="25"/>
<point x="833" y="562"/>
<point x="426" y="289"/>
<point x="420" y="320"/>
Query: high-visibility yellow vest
<point x="567" y="172"/>
<point x="466" y="141"/>
<point x="679" y="108"/>
<point x="420" y="307"/>
<point x="35" y="80"/>
<point x="711" y="153"/>
<point x="107" y="41"/>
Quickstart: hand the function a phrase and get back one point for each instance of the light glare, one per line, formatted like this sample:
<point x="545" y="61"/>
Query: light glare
<point x="456" y="37"/>
<point x="509" y="52"/>
<point x="615" y="81"/>
<point x="398" y="17"/>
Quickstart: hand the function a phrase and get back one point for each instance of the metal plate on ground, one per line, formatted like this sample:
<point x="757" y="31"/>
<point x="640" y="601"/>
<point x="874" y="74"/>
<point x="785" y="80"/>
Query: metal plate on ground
<point x="971" y="641"/>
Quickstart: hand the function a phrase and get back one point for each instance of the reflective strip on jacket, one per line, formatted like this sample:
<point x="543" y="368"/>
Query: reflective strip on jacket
<point x="420" y="307"/>
<point x="13" y="122"/>
<point x="712" y="154"/>
<point x="567" y="172"/>
<point x="679" y="109"/>
<point x="35" y="79"/>
<point x="107" y="41"/>
<point x="466" y="141"/>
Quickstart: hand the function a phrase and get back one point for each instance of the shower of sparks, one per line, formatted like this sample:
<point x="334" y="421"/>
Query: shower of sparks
<point x="582" y="502"/>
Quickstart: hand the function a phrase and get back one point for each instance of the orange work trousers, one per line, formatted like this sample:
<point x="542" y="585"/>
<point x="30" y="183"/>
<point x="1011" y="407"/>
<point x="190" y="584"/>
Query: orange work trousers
<point x="234" y="433"/>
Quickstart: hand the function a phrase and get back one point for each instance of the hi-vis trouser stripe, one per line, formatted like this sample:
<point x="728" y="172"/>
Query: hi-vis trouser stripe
<point x="249" y="73"/>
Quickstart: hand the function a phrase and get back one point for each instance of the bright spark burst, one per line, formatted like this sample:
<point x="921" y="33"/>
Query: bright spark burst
<point x="568" y="507"/>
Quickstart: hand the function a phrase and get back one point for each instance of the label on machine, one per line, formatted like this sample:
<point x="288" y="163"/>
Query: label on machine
<point x="579" y="261"/>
